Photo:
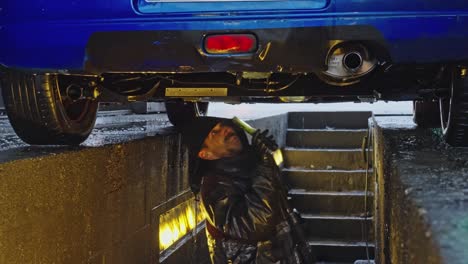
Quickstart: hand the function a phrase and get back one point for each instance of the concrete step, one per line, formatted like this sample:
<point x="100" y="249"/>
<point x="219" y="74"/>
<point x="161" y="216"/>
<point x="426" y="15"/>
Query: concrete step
<point x="330" y="203"/>
<point x="320" y="159"/>
<point x="325" y="138"/>
<point x="343" y="228"/>
<point x="342" y="252"/>
<point x="324" y="166"/>
<point x="321" y="120"/>
<point x="328" y="180"/>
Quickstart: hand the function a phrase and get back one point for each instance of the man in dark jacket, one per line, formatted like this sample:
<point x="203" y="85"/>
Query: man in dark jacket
<point x="241" y="194"/>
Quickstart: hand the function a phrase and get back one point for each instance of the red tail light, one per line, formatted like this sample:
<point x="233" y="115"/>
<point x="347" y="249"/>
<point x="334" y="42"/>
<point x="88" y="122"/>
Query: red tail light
<point x="230" y="43"/>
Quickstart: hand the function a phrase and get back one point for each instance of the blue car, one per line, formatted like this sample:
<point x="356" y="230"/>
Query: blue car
<point x="60" y="58"/>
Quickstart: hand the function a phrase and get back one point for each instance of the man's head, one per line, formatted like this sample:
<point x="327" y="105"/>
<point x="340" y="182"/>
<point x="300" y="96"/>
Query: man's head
<point x="222" y="141"/>
<point x="212" y="138"/>
<point x="196" y="135"/>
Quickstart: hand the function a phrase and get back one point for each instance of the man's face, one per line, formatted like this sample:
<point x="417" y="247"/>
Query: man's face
<point x="221" y="142"/>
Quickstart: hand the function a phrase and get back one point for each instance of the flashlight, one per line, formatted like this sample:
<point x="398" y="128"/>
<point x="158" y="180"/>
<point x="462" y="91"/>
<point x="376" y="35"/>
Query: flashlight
<point x="277" y="155"/>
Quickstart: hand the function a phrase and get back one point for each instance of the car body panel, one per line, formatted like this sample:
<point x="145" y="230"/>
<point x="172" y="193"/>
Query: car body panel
<point x="55" y="35"/>
<point x="210" y="6"/>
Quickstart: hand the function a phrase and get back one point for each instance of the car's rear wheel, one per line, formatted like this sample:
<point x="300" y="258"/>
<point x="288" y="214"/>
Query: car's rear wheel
<point x="180" y="112"/>
<point x="426" y="114"/>
<point x="42" y="112"/>
<point x="454" y="110"/>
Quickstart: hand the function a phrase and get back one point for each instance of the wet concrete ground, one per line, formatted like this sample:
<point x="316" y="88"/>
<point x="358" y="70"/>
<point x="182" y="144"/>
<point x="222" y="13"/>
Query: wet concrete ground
<point x="111" y="128"/>
<point x="114" y="127"/>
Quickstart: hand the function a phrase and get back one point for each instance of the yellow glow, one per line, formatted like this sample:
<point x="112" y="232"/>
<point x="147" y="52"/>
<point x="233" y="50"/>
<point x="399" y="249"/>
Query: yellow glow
<point x="178" y="222"/>
<point x="464" y="72"/>
<point x="165" y="235"/>
<point x="278" y="157"/>
<point x="191" y="218"/>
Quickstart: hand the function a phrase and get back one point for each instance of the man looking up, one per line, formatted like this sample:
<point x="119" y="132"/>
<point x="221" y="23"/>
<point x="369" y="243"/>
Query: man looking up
<point x="240" y="193"/>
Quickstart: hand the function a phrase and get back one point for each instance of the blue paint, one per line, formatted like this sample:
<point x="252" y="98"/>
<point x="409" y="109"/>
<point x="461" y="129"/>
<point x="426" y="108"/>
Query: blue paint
<point x="146" y="7"/>
<point x="53" y="34"/>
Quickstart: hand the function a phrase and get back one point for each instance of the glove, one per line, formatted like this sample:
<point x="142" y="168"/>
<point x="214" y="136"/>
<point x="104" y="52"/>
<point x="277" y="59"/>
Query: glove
<point x="263" y="143"/>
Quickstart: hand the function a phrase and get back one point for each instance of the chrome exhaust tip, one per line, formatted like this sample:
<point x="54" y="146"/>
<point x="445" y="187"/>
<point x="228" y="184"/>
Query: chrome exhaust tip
<point x="347" y="63"/>
<point x="352" y="61"/>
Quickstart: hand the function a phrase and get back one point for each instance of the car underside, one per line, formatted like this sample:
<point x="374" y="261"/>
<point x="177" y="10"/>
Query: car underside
<point x="332" y="52"/>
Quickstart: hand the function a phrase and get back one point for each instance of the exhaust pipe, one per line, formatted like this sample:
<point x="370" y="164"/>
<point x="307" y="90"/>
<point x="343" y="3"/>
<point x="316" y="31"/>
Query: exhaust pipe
<point x="347" y="63"/>
<point x="352" y="61"/>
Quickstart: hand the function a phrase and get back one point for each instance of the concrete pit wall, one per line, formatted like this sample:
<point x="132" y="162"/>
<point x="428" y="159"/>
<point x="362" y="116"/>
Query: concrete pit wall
<point x="421" y="203"/>
<point x="92" y="205"/>
<point x="96" y="205"/>
<point x="400" y="229"/>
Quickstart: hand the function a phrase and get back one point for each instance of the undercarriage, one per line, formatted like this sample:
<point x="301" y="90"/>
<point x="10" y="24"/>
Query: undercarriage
<point x="70" y="100"/>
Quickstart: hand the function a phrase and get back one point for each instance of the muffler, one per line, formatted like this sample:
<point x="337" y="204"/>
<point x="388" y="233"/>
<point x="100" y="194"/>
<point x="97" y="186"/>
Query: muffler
<point x="347" y="63"/>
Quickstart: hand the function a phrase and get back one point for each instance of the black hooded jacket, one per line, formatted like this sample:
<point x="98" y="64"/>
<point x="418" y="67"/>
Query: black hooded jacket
<point x="242" y="199"/>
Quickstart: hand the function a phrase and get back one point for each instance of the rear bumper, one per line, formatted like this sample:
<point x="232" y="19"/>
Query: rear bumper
<point x="297" y="43"/>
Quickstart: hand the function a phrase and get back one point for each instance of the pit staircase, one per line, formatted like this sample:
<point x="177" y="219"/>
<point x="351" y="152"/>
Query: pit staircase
<point x="326" y="174"/>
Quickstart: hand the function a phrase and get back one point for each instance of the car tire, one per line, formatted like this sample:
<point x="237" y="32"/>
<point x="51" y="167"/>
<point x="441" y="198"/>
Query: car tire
<point x="426" y="114"/>
<point x="180" y="112"/>
<point x="454" y="110"/>
<point x="41" y="115"/>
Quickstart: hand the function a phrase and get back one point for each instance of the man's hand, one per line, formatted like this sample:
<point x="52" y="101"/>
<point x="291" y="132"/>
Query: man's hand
<point x="263" y="143"/>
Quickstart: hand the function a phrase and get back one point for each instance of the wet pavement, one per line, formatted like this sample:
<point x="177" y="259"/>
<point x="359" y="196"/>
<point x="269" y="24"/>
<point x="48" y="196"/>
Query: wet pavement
<point x="113" y="127"/>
